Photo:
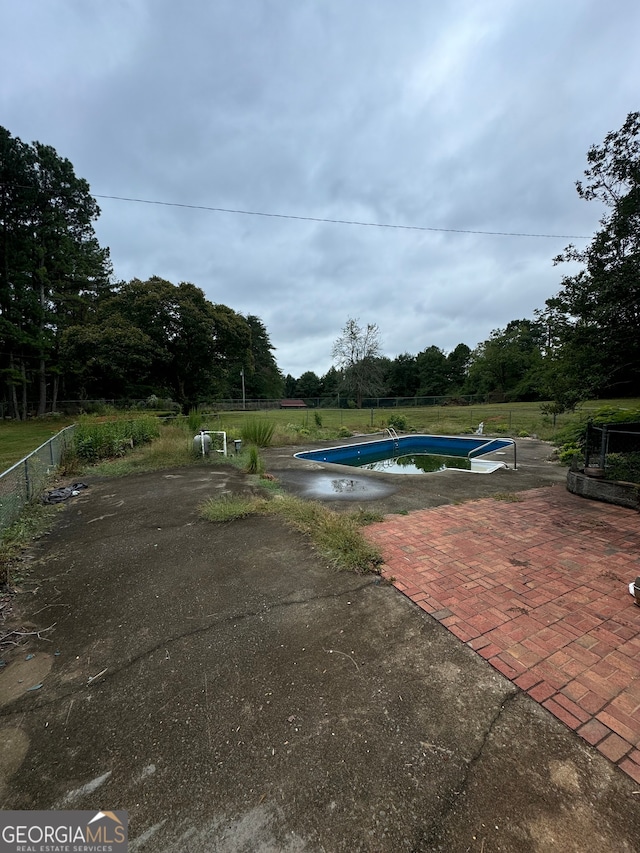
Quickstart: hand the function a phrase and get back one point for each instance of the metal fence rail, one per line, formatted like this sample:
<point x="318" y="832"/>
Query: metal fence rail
<point x="603" y="440"/>
<point x="25" y="480"/>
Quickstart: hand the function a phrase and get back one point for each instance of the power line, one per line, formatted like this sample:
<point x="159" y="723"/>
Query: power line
<point x="338" y="221"/>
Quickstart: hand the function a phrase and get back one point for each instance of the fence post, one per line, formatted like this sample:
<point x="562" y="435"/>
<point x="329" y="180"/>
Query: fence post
<point x="26" y="479"/>
<point x="603" y="446"/>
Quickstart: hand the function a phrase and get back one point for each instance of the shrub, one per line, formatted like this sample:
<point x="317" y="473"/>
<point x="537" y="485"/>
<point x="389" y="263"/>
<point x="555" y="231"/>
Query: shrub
<point x="318" y="419"/>
<point x="397" y="421"/>
<point x="624" y="466"/>
<point x="568" y="452"/>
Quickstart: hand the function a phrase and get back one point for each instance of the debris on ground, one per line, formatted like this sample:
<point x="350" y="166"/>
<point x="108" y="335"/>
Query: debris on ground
<point x="56" y="496"/>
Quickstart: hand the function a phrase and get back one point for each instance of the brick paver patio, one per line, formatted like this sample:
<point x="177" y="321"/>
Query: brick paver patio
<point x="539" y="587"/>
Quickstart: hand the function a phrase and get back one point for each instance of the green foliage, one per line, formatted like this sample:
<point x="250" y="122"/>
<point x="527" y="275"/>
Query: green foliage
<point x="615" y="415"/>
<point x="258" y="432"/>
<point x="600" y="305"/>
<point x="402" y="376"/>
<point x="336" y="535"/>
<point x="171" y="449"/>
<point x="560" y="405"/>
<point x="263" y="377"/>
<point x="624" y="466"/>
<point x="397" y="421"/>
<point x="508" y="362"/>
<point x="433" y="372"/>
<point x="568" y="452"/>
<point x="95" y="440"/>
<point x="52" y="266"/>
<point x="442" y="420"/>
<point x="317" y="417"/>
<point x="308" y="385"/>
<point x="571" y="439"/>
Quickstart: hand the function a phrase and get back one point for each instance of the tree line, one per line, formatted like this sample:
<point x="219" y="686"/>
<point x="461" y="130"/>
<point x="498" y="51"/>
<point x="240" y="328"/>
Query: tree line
<point x="584" y="343"/>
<point x="67" y="331"/>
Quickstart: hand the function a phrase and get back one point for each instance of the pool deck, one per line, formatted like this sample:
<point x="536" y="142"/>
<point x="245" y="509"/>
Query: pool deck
<point x="537" y="584"/>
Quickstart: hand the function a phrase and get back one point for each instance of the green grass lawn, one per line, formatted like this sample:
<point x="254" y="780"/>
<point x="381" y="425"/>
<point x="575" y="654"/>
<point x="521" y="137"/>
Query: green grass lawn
<point x="514" y="419"/>
<point x="17" y="439"/>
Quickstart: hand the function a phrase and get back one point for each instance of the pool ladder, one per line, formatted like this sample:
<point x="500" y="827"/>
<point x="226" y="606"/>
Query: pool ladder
<point x="393" y="435"/>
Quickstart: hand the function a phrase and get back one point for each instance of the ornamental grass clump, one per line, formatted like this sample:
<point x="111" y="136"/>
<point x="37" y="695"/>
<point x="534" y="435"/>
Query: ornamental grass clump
<point x="258" y="432"/>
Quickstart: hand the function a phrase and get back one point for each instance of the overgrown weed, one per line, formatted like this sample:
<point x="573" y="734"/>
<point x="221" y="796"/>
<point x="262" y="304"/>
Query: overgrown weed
<point x="171" y="449"/>
<point x="231" y="507"/>
<point x="337" y="536"/>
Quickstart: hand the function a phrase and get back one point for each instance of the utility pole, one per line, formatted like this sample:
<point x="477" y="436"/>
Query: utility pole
<point x="243" y="397"/>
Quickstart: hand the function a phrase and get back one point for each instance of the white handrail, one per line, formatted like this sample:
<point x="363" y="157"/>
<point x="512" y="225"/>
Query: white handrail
<point x="482" y="449"/>
<point x="393" y="435"/>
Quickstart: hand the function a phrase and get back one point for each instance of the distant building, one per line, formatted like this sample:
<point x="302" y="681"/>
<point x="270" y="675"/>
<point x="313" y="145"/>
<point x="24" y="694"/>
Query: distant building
<point x="293" y="404"/>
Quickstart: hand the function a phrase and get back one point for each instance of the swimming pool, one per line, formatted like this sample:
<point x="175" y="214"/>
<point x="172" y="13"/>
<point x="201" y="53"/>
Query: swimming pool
<point x="416" y="454"/>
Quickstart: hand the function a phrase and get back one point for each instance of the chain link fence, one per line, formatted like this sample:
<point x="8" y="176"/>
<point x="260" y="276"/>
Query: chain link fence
<point x="25" y="480"/>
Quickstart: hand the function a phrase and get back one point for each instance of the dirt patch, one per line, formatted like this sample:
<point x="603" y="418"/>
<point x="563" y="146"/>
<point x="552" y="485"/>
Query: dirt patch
<point x="25" y="675"/>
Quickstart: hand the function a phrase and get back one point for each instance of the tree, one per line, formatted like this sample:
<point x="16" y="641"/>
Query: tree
<point x="403" y="376"/>
<point x="508" y="363"/>
<point x="332" y="383"/>
<point x="289" y="386"/>
<point x="432" y="372"/>
<point x="458" y="361"/>
<point x="264" y="378"/>
<point x="356" y="352"/>
<point x="110" y="358"/>
<point x="181" y="344"/>
<point x="309" y="385"/>
<point x="51" y="265"/>
<point x="601" y="303"/>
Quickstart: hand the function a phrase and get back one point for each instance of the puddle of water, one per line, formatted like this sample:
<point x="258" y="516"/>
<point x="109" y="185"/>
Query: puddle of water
<point x="326" y="486"/>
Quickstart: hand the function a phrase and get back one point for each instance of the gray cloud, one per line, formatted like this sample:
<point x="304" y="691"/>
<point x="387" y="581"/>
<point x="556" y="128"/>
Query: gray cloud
<point x="458" y="115"/>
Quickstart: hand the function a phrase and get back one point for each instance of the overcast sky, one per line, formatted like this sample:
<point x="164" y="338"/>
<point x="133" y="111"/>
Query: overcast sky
<point x="473" y="115"/>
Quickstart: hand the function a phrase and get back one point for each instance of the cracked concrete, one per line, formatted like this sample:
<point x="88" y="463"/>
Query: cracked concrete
<point x="252" y="699"/>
